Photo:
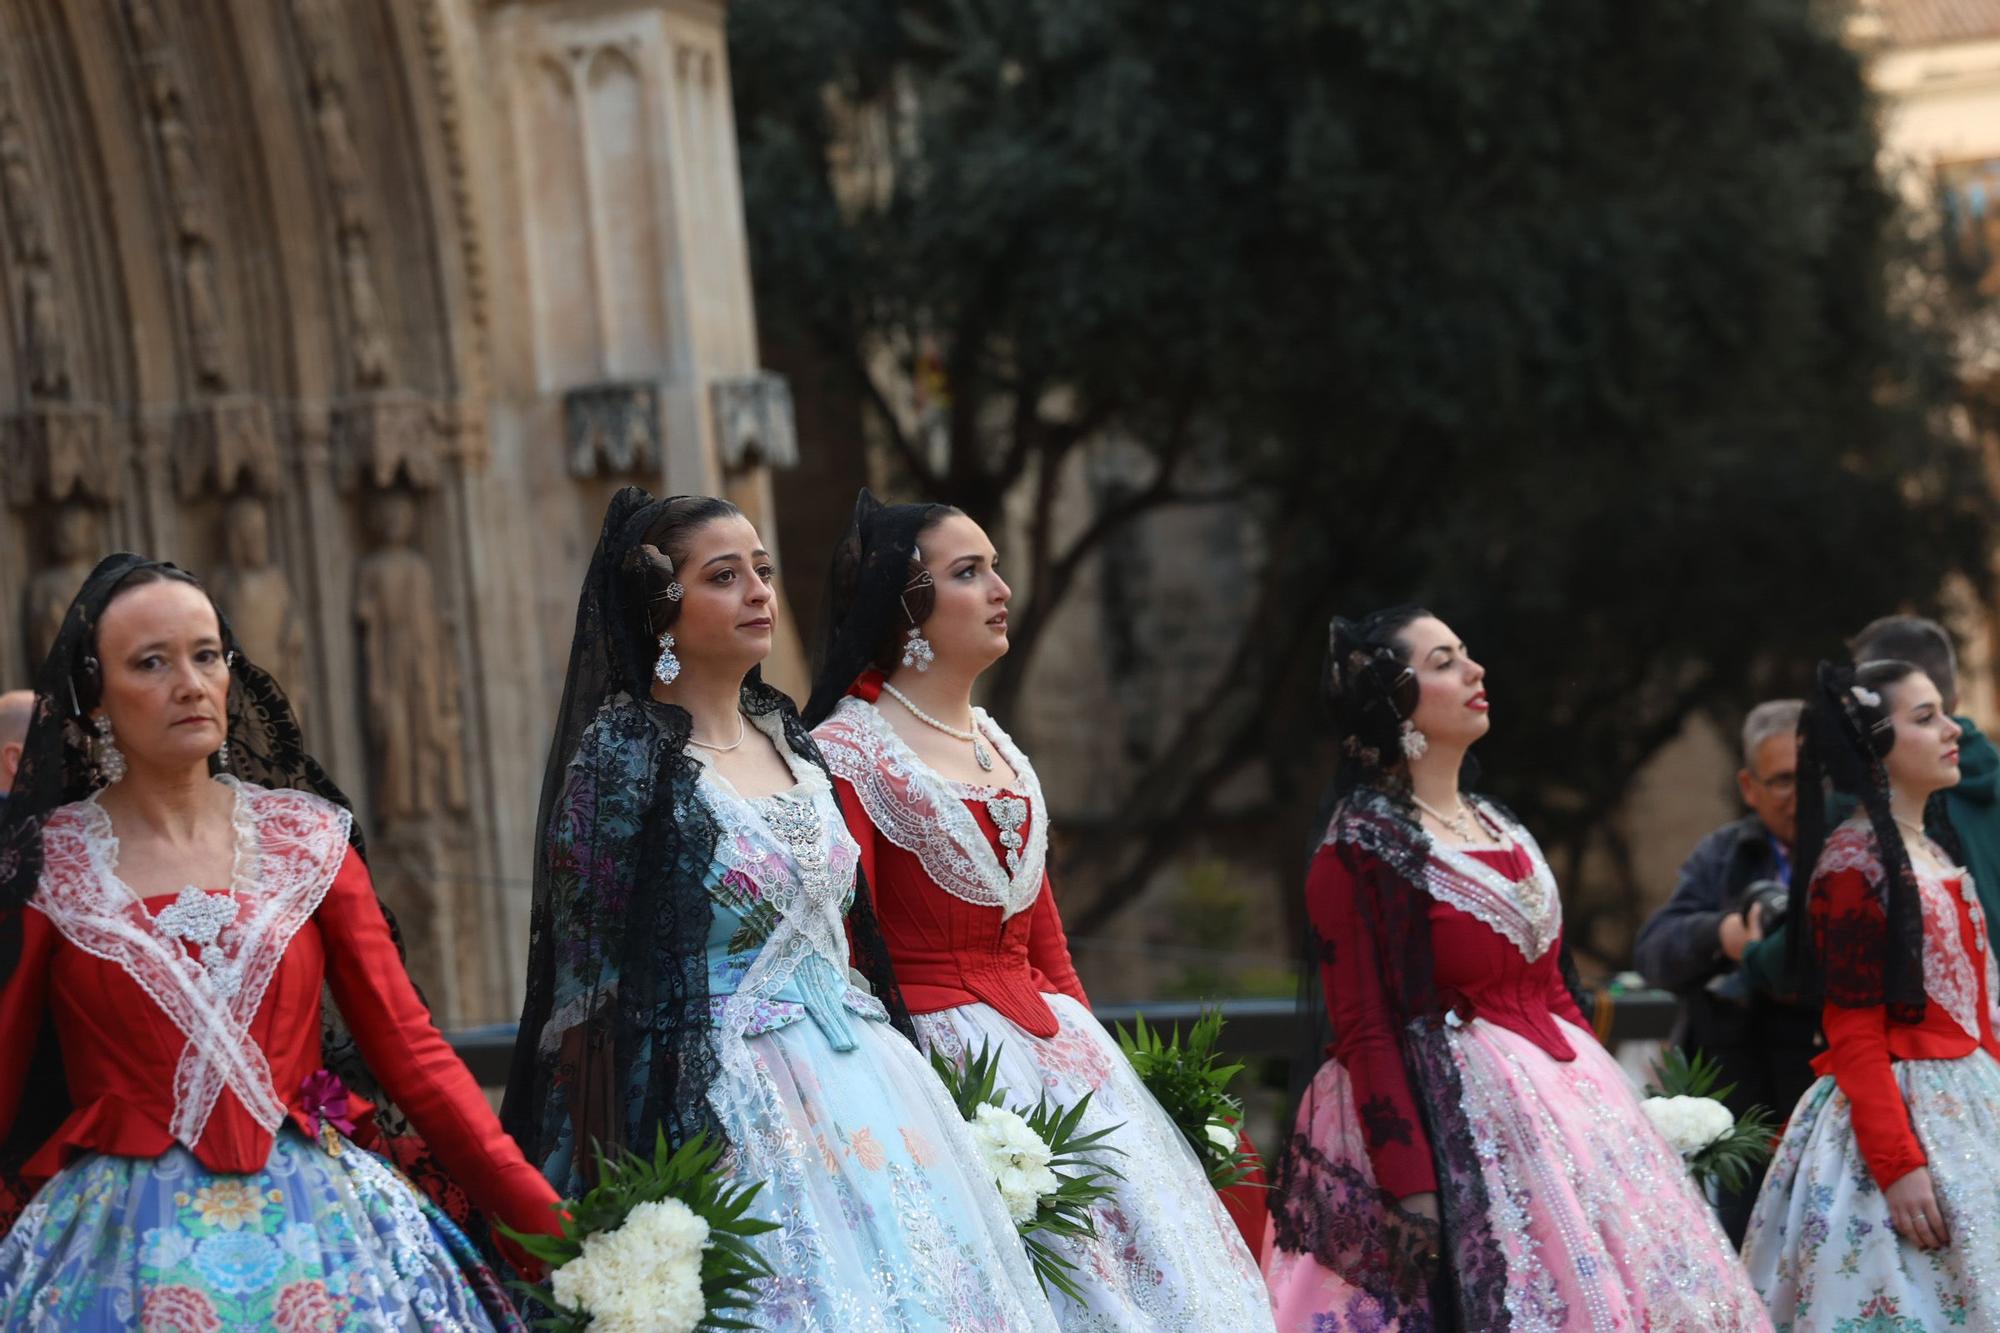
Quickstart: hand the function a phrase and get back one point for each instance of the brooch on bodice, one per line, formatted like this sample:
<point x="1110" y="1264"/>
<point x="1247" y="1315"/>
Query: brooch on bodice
<point x="1009" y="813"/>
<point x="199" y="919"/>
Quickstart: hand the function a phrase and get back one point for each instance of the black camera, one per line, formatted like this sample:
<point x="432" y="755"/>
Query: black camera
<point x="1765" y="902"/>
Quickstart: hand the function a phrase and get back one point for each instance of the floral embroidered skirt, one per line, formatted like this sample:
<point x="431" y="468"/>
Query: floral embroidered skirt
<point x="887" y="1221"/>
<point x="1598" y="1223"/>
<point x="311" y="1242"/>
<point x="1167" y="1254"/>
<point x="1821" y="1248"/>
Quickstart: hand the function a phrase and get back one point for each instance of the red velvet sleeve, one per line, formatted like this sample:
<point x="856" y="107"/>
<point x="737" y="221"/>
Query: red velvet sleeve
<point x="415" y="1065"/>
<point x="22" y="1005"/>
<point x="1857" y="1039"/>
<point x="1048" y="946"/>
<point x="1364" y="1037"/>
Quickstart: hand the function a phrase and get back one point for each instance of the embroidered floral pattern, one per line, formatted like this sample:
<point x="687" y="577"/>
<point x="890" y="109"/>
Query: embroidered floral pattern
<point x="1821" y="1248"/>
<point x="311" y="1244"/>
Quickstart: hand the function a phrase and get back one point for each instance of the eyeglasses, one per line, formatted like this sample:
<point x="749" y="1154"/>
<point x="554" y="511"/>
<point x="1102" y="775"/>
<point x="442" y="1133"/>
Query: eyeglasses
<point x="1778" y="784"/>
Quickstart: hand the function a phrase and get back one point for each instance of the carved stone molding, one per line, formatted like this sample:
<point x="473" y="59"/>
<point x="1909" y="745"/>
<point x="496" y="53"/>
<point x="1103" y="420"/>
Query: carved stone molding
<point x="368" y="341"/>
<point x="56" y="451"/>
<point x="224" y="442"/>
<point x="195" y="238"/>
<point x="28" y="228"/>
<point x="613" y="428"/>
<point x="379" y="437"/>
<point x="753" y="420"/>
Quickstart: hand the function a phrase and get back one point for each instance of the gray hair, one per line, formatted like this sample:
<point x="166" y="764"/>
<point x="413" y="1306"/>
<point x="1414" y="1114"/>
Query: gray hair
<point x="1773" y="717"/>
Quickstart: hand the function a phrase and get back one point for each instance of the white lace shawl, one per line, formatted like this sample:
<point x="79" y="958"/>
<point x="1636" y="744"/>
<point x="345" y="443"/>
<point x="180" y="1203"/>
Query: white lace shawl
<point x="1528" y="914"/>
<point x="801" y="830"/>
<point x="924" y="814"/>
<point x="289" y="845"/>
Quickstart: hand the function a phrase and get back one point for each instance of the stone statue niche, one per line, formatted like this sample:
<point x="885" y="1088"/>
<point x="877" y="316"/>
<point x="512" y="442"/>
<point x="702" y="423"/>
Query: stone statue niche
<point x="410" y="714"/>
<point x="255" y="594"/>
<point x="409" y="672"/>
<point x="76" y="535"/>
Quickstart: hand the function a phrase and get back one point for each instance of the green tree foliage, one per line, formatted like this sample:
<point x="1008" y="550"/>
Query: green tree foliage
<point x="1565" y="317"/>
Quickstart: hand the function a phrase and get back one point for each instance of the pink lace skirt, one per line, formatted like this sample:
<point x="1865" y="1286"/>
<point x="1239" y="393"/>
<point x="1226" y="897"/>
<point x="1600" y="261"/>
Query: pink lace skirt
<point x="1598" y="1222"/>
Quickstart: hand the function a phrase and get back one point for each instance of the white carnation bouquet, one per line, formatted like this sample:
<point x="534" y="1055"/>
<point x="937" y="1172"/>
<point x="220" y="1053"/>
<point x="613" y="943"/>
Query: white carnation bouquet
<point x="1045" y="1169"/>
<point x="1686" y="1108"/>
<point x="659" y="1245"/>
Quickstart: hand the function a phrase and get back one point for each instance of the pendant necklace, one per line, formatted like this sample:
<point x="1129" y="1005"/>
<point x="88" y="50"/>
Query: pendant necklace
<point x="980" y="753"/>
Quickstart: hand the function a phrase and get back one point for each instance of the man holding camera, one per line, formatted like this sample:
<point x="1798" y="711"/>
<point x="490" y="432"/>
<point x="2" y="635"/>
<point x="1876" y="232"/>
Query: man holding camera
<point x="1732" y="892"/>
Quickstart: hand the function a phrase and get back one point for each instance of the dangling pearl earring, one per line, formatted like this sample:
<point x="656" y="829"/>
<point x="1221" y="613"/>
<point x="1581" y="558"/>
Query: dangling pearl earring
<point x="1415" y="744"/>
<point x="668" y="669"/>
<point x="105" y="754"/>
<point x="917" y="650"/>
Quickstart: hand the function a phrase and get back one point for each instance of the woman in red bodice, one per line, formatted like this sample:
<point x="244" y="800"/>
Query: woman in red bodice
<point x="1880" y="1208"/>
<point x="178" y="881"/>
<point x="953" y="830"/>
<point x="1468" y="1157"/>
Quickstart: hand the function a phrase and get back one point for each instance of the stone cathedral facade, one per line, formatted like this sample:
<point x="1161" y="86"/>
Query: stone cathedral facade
<point x="361" y="309"/>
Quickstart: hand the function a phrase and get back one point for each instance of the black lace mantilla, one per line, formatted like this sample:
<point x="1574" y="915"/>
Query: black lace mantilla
<point x="1329" y="1209"/>
<point x="615" y="1036"/>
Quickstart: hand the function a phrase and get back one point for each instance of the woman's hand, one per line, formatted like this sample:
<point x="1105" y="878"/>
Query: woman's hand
<point x="1424" y="1205"/>
<point x="1914" y="1211"/>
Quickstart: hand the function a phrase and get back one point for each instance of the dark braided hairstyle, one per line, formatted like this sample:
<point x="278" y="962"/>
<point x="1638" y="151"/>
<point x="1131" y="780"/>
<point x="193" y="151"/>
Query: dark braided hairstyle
<point x="1371" y="690"/>
<point x="1857" y="960"/>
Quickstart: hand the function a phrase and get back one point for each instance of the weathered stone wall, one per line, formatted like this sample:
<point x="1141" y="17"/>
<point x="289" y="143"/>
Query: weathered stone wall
<point x="361" y="309"/>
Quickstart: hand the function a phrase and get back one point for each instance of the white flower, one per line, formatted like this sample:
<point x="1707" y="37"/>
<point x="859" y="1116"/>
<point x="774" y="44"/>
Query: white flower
<point x="1864" y="695"/>
<point x="1016" y="1157"/>
<point x="1222" y="1136"/>
<point x="642" y="1277"/>
<point x="1689" y="1124"/>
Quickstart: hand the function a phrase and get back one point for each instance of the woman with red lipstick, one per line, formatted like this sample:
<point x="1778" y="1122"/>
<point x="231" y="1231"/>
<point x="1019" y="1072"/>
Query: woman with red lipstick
<point x="179" y="881"/>
<point x="696" y="899"/>
<point x="1468" y="1157"/>
<point x="953" y="831"/>
<point x="1882" y="1207"/>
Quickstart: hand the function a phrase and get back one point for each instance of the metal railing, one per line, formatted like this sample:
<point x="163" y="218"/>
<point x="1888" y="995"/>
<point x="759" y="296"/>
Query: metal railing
<point x="1256" y="1029"/>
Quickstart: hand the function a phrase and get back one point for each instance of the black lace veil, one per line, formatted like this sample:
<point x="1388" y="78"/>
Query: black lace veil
<point x="615" y="1035"/>
<point x="1858" y="960"/>
<point x="869" y="599"/>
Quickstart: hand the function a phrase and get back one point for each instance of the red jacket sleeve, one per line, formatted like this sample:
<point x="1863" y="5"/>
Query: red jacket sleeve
<point x="1364" y="1037"/>
<point x="1857" y="1039"/>
<point x="415" y="1065"/>
<point x="1048" y="946"/>
<point x="22" y="1005"/>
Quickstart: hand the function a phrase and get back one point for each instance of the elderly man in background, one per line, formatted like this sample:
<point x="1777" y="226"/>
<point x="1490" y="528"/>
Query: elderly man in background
<point x="1731" y="892"/>
<point x="16" y="706"/>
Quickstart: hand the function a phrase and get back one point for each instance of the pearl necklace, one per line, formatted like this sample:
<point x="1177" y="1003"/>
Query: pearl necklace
<point x="742" y="730"/>
<point x="1461" y="824"/>
<point x="980" y="754"/>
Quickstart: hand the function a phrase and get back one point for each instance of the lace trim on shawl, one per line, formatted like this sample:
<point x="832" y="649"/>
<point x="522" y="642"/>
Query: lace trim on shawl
<point x="1951" y="973"/>
<point x="922" y="813"/>
<point x="795" y="848"/>
<point x="1527" y="914"/>
<point x="289" y="845"/>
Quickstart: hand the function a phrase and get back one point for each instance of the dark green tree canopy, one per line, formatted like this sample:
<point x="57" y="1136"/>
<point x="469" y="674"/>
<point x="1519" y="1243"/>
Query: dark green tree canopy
<point x="1566" y="317"/>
